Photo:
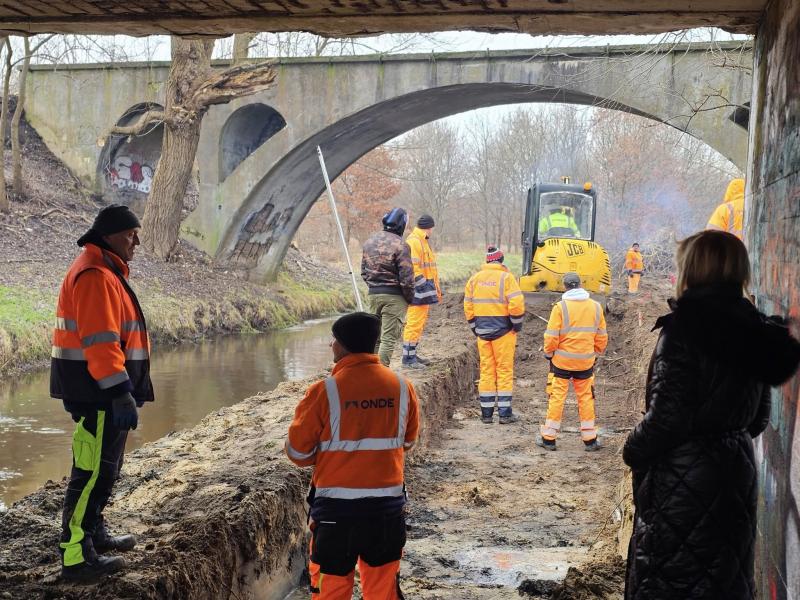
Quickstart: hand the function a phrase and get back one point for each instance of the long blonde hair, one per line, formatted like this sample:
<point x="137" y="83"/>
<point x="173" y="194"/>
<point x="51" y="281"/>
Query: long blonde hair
<point x="712" y="257"/>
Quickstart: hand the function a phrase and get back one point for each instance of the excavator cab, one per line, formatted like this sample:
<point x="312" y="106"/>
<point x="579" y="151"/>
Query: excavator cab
<point x="558" y="237"/>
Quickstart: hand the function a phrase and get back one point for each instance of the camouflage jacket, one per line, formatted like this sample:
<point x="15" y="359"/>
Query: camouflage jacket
<point x="386" y="265"/>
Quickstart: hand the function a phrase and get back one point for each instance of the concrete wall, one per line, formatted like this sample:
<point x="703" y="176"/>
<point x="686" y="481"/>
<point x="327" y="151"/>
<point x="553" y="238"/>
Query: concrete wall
<point x="774" y="241"/>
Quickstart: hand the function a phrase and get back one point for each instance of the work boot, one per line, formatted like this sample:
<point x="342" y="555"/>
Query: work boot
<point x="508" y="419"/>
<point x="487" y="420"/>
<point x="592" y="446"/>
<point x="105" y="542"/>
<point x="414" y="364"/>
<point x="88" y="571"/>
<point x="424" y="361"/>
<point x="546" y="444"/>
<point x="113" y="543"/>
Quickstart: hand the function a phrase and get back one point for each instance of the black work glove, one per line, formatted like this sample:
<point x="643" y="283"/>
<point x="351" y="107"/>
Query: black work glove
<point x="123" y="412"/>
<point x="517" y="327"/>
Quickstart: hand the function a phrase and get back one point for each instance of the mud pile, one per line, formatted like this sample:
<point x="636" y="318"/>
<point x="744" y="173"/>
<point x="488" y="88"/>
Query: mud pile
<point x="219" y="512"/>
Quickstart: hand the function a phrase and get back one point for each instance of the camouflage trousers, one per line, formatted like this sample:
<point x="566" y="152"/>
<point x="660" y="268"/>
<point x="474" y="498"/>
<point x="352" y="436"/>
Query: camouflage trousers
<point x="391" y="309"/>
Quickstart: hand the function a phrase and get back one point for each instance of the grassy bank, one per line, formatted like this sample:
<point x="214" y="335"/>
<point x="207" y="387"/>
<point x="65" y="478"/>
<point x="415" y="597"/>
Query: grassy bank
<point x="26" y="316"/>
<point x="457" y="267"/>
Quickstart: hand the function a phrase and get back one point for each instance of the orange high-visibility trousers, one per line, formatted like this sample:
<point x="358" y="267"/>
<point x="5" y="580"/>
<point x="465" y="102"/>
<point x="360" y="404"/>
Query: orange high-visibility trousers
<point x="633" y="282"/>
<point x="584" y="390"/>
<point x="497" y="374"/>
<point x="416" y="317"/>
<point x="377" y="583"/>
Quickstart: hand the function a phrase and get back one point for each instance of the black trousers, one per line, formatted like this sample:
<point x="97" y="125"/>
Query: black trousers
<point x="97" y="452"/>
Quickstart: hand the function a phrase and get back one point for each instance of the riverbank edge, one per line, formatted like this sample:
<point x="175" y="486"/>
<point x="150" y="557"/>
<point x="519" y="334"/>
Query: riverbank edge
<point x="218" y="510"/>
<point x="26" y="326"/>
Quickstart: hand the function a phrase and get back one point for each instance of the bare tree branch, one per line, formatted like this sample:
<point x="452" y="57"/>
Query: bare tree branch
<point x="143" y="122"/>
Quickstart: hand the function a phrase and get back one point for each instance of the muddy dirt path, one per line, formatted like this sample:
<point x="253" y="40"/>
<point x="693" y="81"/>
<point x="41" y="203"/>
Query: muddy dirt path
<point x="491" y="512"/>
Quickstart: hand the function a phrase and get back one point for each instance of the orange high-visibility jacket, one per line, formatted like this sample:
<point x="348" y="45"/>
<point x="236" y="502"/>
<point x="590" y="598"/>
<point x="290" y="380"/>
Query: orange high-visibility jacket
<point x="355" y="427"/>
<point x="493" y="302"/>
<point x="100" y="344"/>
<point x="426" y="275"/>
<point x="633" y="261"/>
<point x="576" y="332"/>
<point x="729" y="216"/>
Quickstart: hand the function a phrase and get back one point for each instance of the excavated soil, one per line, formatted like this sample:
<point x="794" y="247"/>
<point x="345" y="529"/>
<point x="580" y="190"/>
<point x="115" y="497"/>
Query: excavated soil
<point x="219" y="511"/>
<point x="494" y="516"/>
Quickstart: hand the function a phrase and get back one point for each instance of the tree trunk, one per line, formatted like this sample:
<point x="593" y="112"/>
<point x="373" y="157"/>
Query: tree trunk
<point x="16" y="152"/>
<point x="241" y="47"/>
<point x="191" y="61"/>
<point x="4" y="205"/>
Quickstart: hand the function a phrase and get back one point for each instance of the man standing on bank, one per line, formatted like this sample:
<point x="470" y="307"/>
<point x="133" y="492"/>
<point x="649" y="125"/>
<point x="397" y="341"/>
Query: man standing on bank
<point x="427" y="290"/>
<point x="355" y="428"/>
<point x="495" y="309"/>
<point x="100" y="370"/>
<point x="386" y="269"/>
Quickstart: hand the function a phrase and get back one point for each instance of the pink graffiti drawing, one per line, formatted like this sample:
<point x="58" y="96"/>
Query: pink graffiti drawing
<point x="128" y="174"/>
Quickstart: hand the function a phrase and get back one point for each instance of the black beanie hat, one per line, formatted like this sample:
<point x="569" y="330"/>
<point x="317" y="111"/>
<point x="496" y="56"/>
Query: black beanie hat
<point x="425" y="222"/>
<point x="357" y="332"/>
<point x="112" y="219"/>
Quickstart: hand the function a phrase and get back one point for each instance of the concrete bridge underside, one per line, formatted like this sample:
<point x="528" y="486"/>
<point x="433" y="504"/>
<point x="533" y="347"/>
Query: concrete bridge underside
<point x="258" y="170"/>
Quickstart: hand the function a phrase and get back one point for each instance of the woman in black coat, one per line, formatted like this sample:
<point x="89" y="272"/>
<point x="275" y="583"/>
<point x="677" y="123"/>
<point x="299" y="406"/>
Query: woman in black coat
<point x="707" y="397"/>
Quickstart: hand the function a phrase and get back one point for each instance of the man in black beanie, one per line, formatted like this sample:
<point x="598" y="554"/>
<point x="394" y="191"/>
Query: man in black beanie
<point x="427" y="290"/>
<point x="100" y="369"/>
<point x="354" y="428"/>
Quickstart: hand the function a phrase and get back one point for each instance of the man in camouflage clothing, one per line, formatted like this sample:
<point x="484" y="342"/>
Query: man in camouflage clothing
<point x="386" y="267"/>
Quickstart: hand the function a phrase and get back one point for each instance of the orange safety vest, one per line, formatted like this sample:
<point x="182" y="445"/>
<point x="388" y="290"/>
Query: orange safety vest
<point x="100" y="344"/>
<point x="426" y="274"/>
<point x="355" y="427"/>
<point x="493" y="302"/>
<point x="576" y="332"/>
<point x="633" y="261"/>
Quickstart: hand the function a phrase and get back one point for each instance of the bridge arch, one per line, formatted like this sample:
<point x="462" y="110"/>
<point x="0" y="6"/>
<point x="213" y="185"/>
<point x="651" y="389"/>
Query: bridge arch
<point x="127" y="164"/>
<point x="266" y="222"/>
<point x="244" y="131"/>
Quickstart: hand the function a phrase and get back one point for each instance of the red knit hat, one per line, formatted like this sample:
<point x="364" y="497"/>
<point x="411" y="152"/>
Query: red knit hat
<point x="493" y="253"/>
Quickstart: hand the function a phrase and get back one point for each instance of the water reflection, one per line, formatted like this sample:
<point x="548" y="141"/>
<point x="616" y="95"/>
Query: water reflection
<point x="189" y="382"/>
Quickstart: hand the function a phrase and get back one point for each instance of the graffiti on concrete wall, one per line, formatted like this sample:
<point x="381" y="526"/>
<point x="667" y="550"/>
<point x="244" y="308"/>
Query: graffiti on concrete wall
<point x="774" y="231"/>
<point x="127" y="173"/>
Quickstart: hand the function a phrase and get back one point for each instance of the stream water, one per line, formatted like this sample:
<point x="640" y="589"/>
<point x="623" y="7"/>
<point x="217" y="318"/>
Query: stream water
<point x="190" y="381"/>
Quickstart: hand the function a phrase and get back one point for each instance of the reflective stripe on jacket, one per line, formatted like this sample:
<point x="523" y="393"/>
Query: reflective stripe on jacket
<point x="576" y="332"/>
<point x="558" y="221"/>
<point x="493" y="302"/>
<point x="633" y="261"/>
<point x="100" y="344"/>
<point x="426" y="275"/>
<point x="354" y="427"/>
<point x="729" y="216"/>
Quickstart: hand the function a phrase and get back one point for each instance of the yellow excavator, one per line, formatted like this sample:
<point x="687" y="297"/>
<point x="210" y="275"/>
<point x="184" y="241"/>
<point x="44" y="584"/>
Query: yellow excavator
<point x="558" y="237"/>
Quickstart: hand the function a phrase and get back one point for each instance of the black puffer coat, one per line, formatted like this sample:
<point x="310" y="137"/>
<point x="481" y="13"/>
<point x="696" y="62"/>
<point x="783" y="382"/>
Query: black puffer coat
<point x="695" y="485"/>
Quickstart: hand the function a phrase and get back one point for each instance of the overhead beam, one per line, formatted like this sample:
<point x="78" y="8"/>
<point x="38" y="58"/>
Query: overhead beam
<point x="352" y="18"/>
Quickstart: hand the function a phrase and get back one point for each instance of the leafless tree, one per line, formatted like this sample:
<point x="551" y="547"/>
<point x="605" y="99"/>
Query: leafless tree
<point x="192" y="87"/>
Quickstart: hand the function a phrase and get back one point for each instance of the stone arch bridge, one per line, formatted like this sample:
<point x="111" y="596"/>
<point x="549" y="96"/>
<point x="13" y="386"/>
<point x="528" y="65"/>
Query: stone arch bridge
<point x="258" y="171"/>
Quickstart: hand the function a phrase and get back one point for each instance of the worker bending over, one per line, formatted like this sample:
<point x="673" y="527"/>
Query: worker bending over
<point x="729" y="216"/>
<point x="634" y="265"/>
<point x="495" y="307"/>
<point x="355" y="428"/>
<point x="575" y="335"/>
<point x="426" y="290"/>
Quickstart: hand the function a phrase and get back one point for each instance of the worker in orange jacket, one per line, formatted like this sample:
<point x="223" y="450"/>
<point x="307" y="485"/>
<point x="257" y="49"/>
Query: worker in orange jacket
<point x="729" y="216"/>
<point x="495" y="308"/>
<point x="100" y="369"/>
<point x="355" y="428"/>
<point x="634" y="265"/>
<point x="427" y="290"/>
<point x="575" y="335"/>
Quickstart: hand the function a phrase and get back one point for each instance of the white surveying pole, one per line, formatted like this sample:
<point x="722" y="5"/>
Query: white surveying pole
<point x="339" y="226"/>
